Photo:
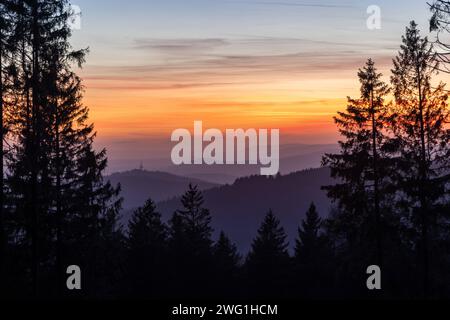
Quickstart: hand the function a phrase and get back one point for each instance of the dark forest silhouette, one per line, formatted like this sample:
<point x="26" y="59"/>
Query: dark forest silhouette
<point x="391" y="200"/>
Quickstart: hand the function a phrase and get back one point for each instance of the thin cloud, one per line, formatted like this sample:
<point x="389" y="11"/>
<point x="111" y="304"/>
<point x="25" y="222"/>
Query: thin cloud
<point x="179" y="46"/>
<point x="202" y="47"/>
<point x="202" y="63"/>
<point x="121" y="85"/>
<point x="228" y="71"/>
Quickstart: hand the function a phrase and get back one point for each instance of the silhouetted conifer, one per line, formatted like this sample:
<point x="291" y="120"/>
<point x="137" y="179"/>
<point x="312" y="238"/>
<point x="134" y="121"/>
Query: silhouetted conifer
<point x="226" y="262"/>
<point x="64" y="213"/>
<point x="362" y="169"/>
<point x="309" y="239"/>
<point x="147" y="245"/>
<point x="362" y="165"/>
<point x="268" y="261"/>
<point x="423" y="152"/>
<point x="313" y="258"/>
<point x="191" y="245"/>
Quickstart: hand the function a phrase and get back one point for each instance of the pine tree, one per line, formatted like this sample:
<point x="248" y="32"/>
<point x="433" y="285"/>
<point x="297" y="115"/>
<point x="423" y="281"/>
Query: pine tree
<point x="313" y="257"/>
<point x="423" y="145"/>
<point x="268" y="261"/>
<point x="226" y="261"/>
<point x="92" y="234"/>
<point x="146" y="229"/>
<point x="225" y="254"/>
<point x="61" y="204"/>
<point x="196" y="221"/>
<point x="362" y="166"/>
<point x="190" y="245"/>
<point x="177" y="235"/>
<point x="309" y="239"/>
<point x="147" y="241"/>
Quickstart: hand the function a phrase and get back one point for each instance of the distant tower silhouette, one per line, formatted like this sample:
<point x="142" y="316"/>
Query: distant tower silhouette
<point x="141" y="167"/>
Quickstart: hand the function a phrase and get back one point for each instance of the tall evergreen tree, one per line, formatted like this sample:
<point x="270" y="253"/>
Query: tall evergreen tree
<point x="191" y="245"/>
<point x="313" y="257"/>
<point x="226" y="262"/>
<point x="147" y="241"/>
<point x="362" y="165"/>
<point x="196" y="221"/>
<point x="423" y="145"/>
<point x="268" y="261"/>
<point x="59" y="198"/>
<point x="363" y="222"/>
<point x="225" y="254"/>
<point x="309" y="239"/>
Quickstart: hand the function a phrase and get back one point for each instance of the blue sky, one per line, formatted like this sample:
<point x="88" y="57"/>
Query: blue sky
<point x="112" y="28"/>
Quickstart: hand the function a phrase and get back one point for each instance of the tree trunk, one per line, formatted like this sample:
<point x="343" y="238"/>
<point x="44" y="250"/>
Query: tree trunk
<point x="59" y="213"/>
<point x="35" y="141"/>
<point x="422" y="191"/>
<point x="2" y="218"/>
<point x="376" y="185"/>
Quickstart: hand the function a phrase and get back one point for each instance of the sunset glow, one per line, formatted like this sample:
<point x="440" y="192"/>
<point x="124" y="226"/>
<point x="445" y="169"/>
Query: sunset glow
<point x="240" y="64"/>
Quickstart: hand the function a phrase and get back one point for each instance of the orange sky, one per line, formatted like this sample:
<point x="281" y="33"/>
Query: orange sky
<point x="302" y="107"/>
<point x="161" y="65"/>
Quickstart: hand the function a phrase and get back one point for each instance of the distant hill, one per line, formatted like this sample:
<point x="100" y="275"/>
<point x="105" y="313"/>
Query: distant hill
<point x="296" y="158"/>
<point x="218" y="178"/>
<point x="293" y="157"/>
<point x="139" y="185"/>
<point x="239" y="209"/>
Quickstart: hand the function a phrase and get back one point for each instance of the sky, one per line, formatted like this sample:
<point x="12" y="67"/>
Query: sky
<point x="156" y="66"/>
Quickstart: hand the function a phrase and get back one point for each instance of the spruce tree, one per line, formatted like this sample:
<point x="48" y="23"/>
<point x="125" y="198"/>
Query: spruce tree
<point x="63" y="210"/>
<point x="362" y="166"/>
<point x="146" y="244"/>
<point x="191" y="245"/>
<point x="313" y="257"/>
<point x="268" y="261"/>
<point x="225" y="254"/>
<point x="309" y="239"/>
<point x="196" y="221"/>
<point x="226" y="262"/>
<point x="145" y="229"/>
<point x="423" y="153"/>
